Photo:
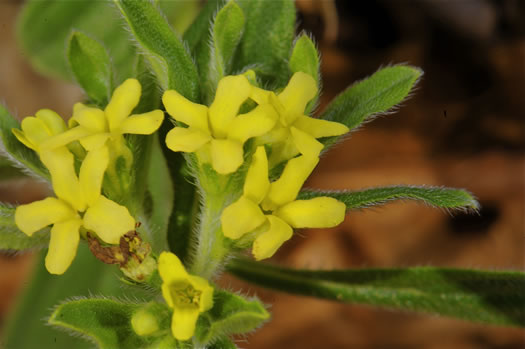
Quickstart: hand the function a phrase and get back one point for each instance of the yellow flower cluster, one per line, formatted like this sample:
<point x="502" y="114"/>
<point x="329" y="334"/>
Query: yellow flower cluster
<point x="218" y="133"/>
<point x="79" y="203"/>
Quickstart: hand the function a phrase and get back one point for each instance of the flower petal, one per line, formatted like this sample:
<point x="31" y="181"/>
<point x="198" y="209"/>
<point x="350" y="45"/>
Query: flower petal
<point x="20" y="135"/>
<point x="321" y="212"/>
<point x="143" y="124"/>
<point x="226" y="155"/>
<point x="283" y="151"/>
<point x="252" y="124"/>
<point x="299" y="91"/>
<point x="318" y="128"/>
<point x="94" y="141"/>
<point x="109" y="220"/>
<point x="64" y="138"/>
<point x="39" y="214"/>
<point x="63" y="245"/>
<point x="124" y="99"/>
<point x="171" y="268"/>
<point x="186" y="139"/>
<point x="231" y="93"/>
<point x="60" y="163"/>
<point x="183" y="110"/>
<point x="92" y="173"/>
<point x="286" y="188"/>
<point x="206" y="298"/>
<point x="306" y="144"/>
<point x="92" y="119"/>
<point x="183" y="322"/>
<point x="257" y="184"/>
<point x="54" y="123"/>
<point x="241" y="217"/>
<point x="35" y="130"/>
<point x="266" y="244"/>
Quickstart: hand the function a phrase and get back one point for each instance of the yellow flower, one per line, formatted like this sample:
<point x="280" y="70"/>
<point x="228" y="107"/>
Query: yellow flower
<point x="217" y="132"/>
<point x="270" y="207"/>
<point x="39" y="128"/>
<point x="186" y="294"/>
<point x="75" y="194"/>
<point x="93" y="127"/>
<point x="295" y="132"/>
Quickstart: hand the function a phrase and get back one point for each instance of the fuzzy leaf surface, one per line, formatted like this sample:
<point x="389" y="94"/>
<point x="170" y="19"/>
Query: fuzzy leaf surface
<point x="165" y="51"/>
<point x="44" y="26"/>
<point x="105" y="321"/>
<point x="8" y="171"/>
<point x="448" y="198"/>
<point x="11" y="238"/>
<point x="231" y="314"/>
<point x="267" y="39"/>
<point x="493" y="297"/>
<point x="21" y="156"/>
<point x="91" y="66"/>
<point x="375" y="95"/>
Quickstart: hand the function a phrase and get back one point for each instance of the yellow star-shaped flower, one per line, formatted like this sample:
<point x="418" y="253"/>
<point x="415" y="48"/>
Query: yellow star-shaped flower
<point x="272" y="208"/>
<point x="39" y="128"/>
<point x="78" y="204"/>
<point x="295" y="132"/>
<point x="218" y="133"/>
<point x="93" y="127"/>
<point x="186" y="294"/>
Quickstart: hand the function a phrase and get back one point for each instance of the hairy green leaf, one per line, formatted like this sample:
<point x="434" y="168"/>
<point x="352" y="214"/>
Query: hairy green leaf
<point x="481" y="296"/>
<point x="44" y="26"/>
<point x="11" y="238"/>
<point x="91" y="66"/>
<point x="267" y="39"/>
<point x="305" y="58"/>
<point x="231" y="314"/>
<point x="227" y="32"/>
<point x="106" y="322"/>
<point x="165" y="52"/>
<point x="85" y="277"/>
<point x="448" y="198"/>
<point x="199" y="30"/>
<point x="8" y="171"/>
<point x="375" y="95"/>
<point x="21" y="156"/>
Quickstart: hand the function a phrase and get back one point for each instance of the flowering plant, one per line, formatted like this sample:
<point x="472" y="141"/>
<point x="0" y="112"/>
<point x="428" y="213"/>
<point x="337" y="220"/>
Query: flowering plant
<point x="173" y="169"/>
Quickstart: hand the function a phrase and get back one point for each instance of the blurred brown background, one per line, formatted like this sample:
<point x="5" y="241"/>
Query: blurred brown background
<point x="463" y="127"/>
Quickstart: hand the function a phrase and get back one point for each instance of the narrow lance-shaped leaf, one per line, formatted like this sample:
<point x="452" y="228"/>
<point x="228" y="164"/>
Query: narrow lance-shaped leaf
<point x="11" y="238"/>
<point x="375" y="95"/>
<point x="8" y="170"/>
<point x="200" y="28"/>
<point x="267" y="39"/>
<point x="106" y="322"/>
<point x="227" y="32"/>
<point x="91" y="66"/>
<point x="231" y="314"/>
<point x="480" y="296"/>
<point x="305" y="58"/>
<point x="447" y="198"/>
<point x="166" y="53"/>
<point x="86" y="276"/>
<point x="21" y="156"/>
<point x="43" y="28"/>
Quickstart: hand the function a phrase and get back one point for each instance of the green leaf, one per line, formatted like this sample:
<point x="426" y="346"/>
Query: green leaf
<point x="91" y="66"/>
<point x="180" y="14"/>
<point x="160" y="189"/>
<point x="231" y="314"/>
<point x="44" y="26"/>
<point x="305" y="58"/>
<point x="165" y="52"/>
<point x="227" y="32"/>
<point x="11" y="238"/>
<point x="267" y="39"/>
<point x="106" y="322"/>
<point x="199" y="30"/>
<point x="85" y="277"/>
<point x="8" y="171"/>
<point x="481" y="296"/>
<point x="21" y="156"/>
<point x="447" y="198"/>
<point x="375" y="95"/>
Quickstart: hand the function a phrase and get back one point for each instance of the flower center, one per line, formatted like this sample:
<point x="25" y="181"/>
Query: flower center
<point x="184" y="295"/>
